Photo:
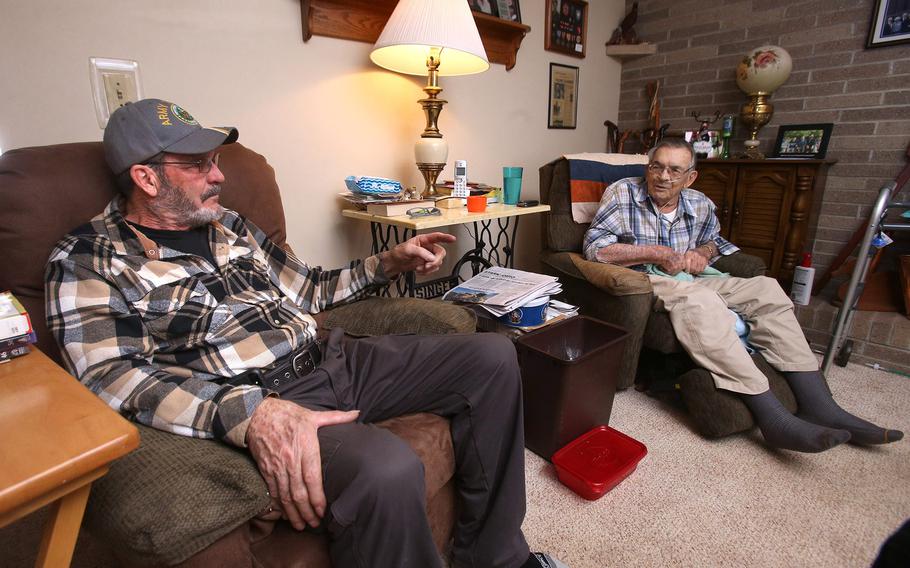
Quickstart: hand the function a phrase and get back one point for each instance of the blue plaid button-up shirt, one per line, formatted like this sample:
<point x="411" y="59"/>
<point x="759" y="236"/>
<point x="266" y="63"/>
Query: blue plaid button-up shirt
<point x="628" y="216"/>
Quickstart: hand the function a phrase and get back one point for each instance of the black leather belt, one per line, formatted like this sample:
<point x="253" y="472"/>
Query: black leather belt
<point x="287" y="370"/>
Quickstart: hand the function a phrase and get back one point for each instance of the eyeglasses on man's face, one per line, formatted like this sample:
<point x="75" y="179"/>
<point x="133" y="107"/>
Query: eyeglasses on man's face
<point x="202" y="165"/>
<point x="676" y="173"/>
<point x="423" y="212"/>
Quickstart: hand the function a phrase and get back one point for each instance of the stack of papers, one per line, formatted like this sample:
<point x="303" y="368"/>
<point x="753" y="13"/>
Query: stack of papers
<point x="362" y="199"/>
<point x="557" y="308"/>
<point x="500" y="290"/>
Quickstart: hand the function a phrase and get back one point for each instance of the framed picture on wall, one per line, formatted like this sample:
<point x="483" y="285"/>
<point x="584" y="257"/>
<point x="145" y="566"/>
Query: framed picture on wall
<point x="890" y="23"/>
<point x="566" y="27"/>
<point x="563" y="110"/>
<point x="485" y="6"/>
<point x="802" y="140"/>
<point x="509" y="10"/>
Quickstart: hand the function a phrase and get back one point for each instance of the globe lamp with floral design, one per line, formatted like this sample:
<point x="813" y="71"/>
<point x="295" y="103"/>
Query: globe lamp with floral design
<point x="759" y="74"/>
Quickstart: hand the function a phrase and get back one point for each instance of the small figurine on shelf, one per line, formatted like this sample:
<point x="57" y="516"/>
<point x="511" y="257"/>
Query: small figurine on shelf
<point x="703" y="142"/>
<point x="625" y="34"/>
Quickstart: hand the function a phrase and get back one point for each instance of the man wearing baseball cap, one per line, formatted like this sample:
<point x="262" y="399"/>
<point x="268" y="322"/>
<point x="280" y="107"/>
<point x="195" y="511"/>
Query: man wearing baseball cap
<point x="184" y="316"/>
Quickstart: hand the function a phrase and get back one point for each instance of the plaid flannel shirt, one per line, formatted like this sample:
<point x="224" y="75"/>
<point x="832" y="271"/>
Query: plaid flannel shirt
<point x="627" y="215"/>
<point x="155" y="332"/>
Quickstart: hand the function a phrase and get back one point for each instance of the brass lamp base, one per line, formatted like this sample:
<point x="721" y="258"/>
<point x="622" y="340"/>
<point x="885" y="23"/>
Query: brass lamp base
<point x="755" y="114"/>
<point x="752" y="152"/>
<point x="430" y="173"/>
<point x="431" y="151"/>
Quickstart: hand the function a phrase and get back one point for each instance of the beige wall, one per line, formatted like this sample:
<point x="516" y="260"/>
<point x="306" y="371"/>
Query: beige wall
<point x="318" y="110"/>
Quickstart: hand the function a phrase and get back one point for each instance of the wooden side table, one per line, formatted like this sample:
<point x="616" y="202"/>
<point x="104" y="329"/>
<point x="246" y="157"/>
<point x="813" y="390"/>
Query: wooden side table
<point x="494" y="245"/>
<point x="56" y="438"/>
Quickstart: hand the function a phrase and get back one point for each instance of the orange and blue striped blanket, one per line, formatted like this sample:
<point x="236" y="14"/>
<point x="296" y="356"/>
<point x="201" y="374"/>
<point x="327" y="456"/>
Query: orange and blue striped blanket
<point x="590" y="174"/>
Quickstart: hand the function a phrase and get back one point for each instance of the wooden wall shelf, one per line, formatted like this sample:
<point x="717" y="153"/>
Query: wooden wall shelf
<point x="363" y="20"/>
<point x="626" y="51"/>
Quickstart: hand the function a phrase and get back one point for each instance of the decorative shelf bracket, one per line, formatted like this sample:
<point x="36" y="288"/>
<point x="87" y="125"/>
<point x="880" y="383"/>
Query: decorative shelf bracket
<point x="363" y="20"/>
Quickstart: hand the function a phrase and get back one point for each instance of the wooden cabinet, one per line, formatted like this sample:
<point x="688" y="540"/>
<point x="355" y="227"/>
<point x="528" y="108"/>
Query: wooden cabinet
<point x="764" y="206"/>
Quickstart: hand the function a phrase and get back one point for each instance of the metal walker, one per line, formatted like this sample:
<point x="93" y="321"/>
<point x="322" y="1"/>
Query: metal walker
<point x="839" y="350"/>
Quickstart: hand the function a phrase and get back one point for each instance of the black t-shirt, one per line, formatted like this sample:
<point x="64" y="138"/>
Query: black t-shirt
<point x="191" y="241"/>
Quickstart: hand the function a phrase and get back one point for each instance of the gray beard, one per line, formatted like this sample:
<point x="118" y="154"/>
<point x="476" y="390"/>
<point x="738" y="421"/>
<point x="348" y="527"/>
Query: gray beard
<point x="172" y="203"/>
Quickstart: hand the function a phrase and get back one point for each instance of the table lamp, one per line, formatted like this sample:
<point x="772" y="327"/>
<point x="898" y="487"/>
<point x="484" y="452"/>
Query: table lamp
<point x="759" y="74"/>
<point x="432" y="38"/>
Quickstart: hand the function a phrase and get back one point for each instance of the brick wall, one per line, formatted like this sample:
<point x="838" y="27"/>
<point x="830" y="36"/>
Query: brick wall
<point x="864" y="92"/>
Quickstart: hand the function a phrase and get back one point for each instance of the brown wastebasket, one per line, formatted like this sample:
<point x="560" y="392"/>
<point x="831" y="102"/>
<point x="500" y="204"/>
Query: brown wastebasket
<point x="569" y="373"/>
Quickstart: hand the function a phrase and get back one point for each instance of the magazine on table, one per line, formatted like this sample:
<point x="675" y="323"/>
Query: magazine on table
<point x="500" y="290"/>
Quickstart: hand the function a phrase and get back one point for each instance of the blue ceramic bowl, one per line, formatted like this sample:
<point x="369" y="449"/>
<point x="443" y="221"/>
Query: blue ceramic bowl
<point x="531" y="314"/>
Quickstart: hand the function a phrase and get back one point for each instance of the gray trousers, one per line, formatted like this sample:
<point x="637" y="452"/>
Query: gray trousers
<point x="374" y="482"/>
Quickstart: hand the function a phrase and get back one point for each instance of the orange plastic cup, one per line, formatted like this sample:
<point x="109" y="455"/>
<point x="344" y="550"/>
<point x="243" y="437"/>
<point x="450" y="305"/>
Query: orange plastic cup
<point x="477" y="203"/>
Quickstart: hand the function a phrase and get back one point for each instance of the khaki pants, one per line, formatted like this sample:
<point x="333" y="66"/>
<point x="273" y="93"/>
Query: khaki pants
<point x="704" y="326"/>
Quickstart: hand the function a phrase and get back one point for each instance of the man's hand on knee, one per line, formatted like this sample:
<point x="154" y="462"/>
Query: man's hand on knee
<point x="282" y="439"/>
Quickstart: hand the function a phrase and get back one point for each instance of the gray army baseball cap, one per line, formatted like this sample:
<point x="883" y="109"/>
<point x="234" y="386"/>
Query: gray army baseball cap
<point x="138" y="131"/>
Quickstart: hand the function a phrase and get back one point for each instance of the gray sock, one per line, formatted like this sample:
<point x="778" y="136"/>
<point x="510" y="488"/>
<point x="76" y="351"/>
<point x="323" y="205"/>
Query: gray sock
<point x="783" y="430"/>
<point x="817" y="406"/>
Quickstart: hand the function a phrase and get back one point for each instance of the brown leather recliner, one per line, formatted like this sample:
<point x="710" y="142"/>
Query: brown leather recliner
<point x="621" y="296"/>
<point x="176" y="500"/>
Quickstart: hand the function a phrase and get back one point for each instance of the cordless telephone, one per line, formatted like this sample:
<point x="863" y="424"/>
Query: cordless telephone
<point x="461" y="179"/>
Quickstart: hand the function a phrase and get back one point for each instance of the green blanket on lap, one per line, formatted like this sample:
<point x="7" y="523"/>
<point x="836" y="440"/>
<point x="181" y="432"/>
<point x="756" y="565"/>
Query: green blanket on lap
<point x="708" y="272"/>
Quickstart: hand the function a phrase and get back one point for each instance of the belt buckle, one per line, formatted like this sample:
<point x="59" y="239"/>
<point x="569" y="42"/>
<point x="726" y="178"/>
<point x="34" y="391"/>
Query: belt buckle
<point x="302" y="363"/>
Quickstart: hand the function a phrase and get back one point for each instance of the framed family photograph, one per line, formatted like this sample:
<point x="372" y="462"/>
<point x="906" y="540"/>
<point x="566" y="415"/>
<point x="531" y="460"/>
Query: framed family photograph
<point x="890" y="23"/>
<point x="509" y="10"/>
<point x="485" y="6"/>
<point x="566" y="27"/>
<point x="563" y="110"/>
<point x="802" y="141"/>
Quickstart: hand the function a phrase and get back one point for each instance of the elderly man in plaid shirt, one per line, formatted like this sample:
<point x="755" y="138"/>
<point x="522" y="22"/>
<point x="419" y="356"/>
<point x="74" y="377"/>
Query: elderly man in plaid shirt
<point x="185" y="317"/>
<point x="670" y="231"/>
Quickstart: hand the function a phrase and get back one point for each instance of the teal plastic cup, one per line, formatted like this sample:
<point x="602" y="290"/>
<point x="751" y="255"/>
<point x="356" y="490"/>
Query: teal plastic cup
<point x="511" y="184"/>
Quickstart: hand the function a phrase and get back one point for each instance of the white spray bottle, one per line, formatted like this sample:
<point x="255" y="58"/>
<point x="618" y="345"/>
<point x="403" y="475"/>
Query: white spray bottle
<point x="803" y="275"/>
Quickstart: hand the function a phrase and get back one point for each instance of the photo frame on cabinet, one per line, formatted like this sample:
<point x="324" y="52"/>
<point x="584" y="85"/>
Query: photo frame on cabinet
<point x="890" y="23"/>
<point x="566" y="27"/>
<point x="802" y="140"/>
<point x="563" y="109"/>
<point x="509" y="10"/>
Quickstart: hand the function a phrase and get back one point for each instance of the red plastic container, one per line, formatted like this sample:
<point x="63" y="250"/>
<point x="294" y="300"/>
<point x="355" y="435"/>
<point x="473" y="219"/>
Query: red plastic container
<point x="597" y="461"/>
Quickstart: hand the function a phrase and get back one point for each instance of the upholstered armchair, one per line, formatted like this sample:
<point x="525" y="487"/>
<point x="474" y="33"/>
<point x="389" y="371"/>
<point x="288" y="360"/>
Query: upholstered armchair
<point x="176" y="500"/>
<point x="652" y="358"/>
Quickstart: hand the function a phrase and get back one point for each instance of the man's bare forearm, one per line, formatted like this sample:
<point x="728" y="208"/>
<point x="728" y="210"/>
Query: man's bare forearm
<point x="630" y="255"/>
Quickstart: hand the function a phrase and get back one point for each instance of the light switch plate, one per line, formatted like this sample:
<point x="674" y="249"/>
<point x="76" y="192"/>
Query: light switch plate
<point x="115" y="82"/>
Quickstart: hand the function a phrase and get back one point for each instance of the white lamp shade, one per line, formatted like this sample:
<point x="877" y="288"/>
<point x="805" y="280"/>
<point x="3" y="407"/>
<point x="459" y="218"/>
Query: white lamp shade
<point x="417" y="26"/>
<point x="763" y="69"/>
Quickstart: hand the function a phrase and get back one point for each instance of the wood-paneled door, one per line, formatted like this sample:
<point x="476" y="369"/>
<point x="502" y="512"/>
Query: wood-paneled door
<point x="764" y="207"/>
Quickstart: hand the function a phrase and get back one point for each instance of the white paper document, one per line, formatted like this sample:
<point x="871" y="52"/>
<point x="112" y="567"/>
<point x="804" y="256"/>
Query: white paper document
<point x="500" y="290"/>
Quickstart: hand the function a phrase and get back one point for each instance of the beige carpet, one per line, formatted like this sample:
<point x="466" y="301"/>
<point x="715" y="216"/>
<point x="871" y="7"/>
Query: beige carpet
<point x="733" y="502"/>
